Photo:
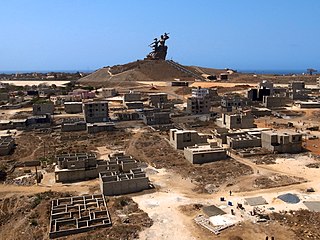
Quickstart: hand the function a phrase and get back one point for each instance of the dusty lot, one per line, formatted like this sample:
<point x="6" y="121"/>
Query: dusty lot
<point x="27" y="217"/>
<point x="154" y="149"/>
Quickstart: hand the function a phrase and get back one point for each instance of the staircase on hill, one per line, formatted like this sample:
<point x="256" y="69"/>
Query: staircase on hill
<point x="183" y="69"/>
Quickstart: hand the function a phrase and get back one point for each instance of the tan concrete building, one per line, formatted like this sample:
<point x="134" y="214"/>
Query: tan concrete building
<point x="73" y="107"/>
<point x="132" y="97"/>
<point x="199" y="154"/>
<point x="158" y="99"/>
<point x="180" y="139"/>
<point x="113" y="183"/>
<point x="43" y="108"/>
<point x="282" y="141"/>
<point x="237" y="120"/>
<point x="244" y="140"/>
<point x="96" y="111"/>
<point x="100" y="127"/>
<point x="6" y="145"/>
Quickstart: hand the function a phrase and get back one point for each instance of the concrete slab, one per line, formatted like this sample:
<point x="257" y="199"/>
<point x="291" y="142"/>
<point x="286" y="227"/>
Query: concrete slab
<point x="255" y="201"/>
<point x="313" y="205"/>
<point x="212" y="211"/>
<point x="223" y="220"/>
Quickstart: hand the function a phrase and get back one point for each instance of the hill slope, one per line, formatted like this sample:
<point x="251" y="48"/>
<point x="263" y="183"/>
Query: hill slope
<point x="131" y="73"/>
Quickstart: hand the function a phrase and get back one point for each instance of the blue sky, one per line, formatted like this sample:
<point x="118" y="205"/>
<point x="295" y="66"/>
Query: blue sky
<point x="89" y="34"/>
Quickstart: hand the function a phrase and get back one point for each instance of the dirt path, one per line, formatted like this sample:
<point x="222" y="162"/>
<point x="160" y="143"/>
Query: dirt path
<point x="32" y="155"/>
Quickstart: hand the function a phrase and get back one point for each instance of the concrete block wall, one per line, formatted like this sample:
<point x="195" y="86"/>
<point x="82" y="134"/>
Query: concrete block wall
<point x="42" y="108"/>
<point x="180" y="139"/>
<point x="243" y="141"/>
<point x="204" y="154"/>
<point x="112" y="183"/>
<point x="73" y="107"/>
<point x="281" y="142"/>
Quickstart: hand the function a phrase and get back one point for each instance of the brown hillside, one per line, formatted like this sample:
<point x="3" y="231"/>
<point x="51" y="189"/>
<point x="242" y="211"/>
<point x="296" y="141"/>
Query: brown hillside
<point x="129" y="75"/>
<point x="143" y="70"/>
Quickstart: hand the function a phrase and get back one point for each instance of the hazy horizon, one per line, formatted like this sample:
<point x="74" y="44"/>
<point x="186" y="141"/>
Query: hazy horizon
<point x="79" y="34"/>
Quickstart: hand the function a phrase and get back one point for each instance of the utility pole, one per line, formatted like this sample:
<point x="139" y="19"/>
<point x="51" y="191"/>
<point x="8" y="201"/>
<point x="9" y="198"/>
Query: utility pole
<point x="44" y="150"/>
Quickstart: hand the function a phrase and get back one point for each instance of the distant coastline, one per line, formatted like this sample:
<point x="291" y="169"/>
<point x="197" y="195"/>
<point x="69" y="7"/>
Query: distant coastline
<point x="248" y="71"/>
<point x="46" y="71"/>
<point x="275" y="72"/>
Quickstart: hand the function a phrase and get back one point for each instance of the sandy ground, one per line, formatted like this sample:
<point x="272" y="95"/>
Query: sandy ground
<point x="6" y="114"/>
<point x="163" y="206"/>
<point x="170" y="223"/>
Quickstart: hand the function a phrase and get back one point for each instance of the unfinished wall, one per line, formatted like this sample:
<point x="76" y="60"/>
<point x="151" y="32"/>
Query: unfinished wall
<point x="204" y="154"/>
<point x="282" y="142"/>
<point x="77" y="215"/>
<point x="180" y="139"/>
<point x="112" y="183"/>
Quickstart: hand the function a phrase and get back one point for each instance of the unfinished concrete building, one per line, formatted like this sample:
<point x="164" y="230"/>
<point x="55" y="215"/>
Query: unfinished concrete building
<point x="73" y="125"/>
<point x="78" y="167"/>
<point x="78" y="214"/>
<point x="274" y="101"/>
<point x="13" y="124"/>
<point x="309" y="104"/>
<point x="4" y="96"/>
<point x="244" y="140"/>
<point x="114" y="183"/>
<point x="298" y="91"/>
<point x="83" y="166"/>
<point x="229" y="103"/>
<point x="260" y="112"/>
<point x="109" y="92"/>
<point x="206" y="153"/>
<point x="100" y="127"/>
<point x="281" y="141"/>
<point x="180" y="139"/>
<point x="96" y="111"/>
<point x="133" y="105"/>
<point x="156" y="118"/>
<point x="7" y="144"/>
<point x="158" y="99"/>
<point x="127" y="116"/>
<point x="237" y="120"/>
<point x="201" y="105"/>
<point x="125" y="162"/>
<point x="221" y="134"/>
<point x="265" y="84"/>
<point x="132" y="97"/>
<point x="43" y="108"/>
<point x="73" y="107"/>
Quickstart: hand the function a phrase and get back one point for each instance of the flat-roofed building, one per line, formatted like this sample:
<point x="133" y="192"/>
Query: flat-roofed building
<point x="244" y="140"/>
<point x="158" y="99"/>
<point x="6" y="145"/>
<point x="281" y="141"/>
<point x="73" y="107"/>
<point x="114" y="183"/>
<point x="180" y="139"/>
<point x="43" y="108"/>
<point x="199" y="154"/>
<point x="96" y="111"/>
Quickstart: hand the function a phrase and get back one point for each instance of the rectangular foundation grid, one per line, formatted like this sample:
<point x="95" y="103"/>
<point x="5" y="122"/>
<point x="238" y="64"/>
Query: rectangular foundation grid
<point x="78" y="214"/>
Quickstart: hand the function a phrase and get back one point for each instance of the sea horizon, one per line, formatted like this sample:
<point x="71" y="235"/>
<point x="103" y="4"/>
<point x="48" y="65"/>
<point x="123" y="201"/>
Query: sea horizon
<point x="43" y="71"/>
<point x="252" y="71"/>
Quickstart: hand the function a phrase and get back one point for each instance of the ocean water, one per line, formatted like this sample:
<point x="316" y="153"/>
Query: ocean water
<point x="275" y="72"/>
<point x="45" y="71"/>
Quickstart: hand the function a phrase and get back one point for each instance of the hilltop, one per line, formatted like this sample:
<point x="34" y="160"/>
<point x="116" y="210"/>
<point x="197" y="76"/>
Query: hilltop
<point x="131" y="74"/>
<point x="141" y="70"/>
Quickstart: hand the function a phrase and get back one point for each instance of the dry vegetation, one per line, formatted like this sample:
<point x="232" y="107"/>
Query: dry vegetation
<point x="27" y="217"/>
<point x="304" y="223"/>
<point x="155" y="150"/>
